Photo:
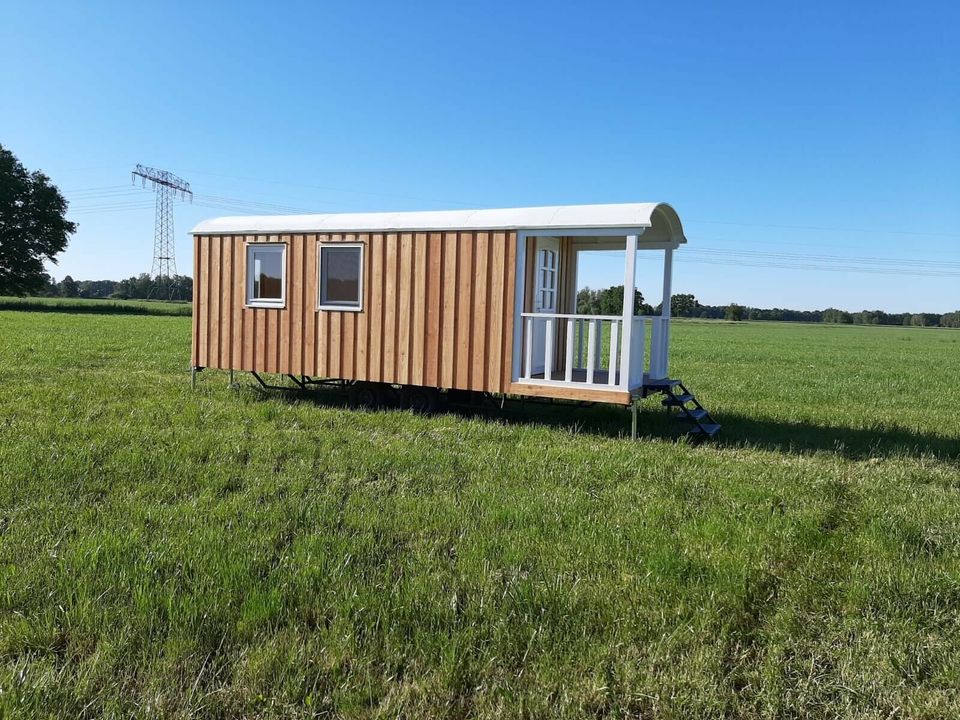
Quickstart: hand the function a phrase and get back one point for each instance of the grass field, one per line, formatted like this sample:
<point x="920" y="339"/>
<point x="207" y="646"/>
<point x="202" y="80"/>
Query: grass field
<point x="95" y="306"/>
<point x="169" y="553"/>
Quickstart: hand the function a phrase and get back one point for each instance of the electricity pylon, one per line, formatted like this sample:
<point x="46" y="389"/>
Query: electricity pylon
<point x="167" y="186"/>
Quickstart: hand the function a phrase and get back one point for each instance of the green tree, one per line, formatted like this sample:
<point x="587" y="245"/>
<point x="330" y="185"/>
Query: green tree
<point x="683" y="305"/>
<point x="734" y="312"/>
<point x="33" y="228"/>
<point x="69" y="287"/>
<point x="951" y="320"/>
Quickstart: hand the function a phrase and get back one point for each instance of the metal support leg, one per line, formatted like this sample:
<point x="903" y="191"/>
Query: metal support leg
<point x="231" y="379"/>
<point x="193" y="377"/>
<point x="633" y="420"/>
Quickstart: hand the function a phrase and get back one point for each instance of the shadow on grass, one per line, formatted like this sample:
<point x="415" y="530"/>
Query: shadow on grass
<point x="739" y="431"/>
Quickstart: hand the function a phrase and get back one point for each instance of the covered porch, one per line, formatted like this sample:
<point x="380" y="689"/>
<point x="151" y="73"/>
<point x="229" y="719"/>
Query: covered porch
<point x="561" y="353"/>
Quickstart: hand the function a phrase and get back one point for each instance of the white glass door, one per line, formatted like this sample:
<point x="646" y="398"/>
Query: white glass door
<point x="545" y="294"/>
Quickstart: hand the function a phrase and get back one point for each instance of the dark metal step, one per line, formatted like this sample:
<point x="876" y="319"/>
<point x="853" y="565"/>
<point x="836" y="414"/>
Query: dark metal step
<point x="678" y="399"/>
<point x="692" y="414"/>
<point x="710" y="429"/>
<point x="661" y="384"/>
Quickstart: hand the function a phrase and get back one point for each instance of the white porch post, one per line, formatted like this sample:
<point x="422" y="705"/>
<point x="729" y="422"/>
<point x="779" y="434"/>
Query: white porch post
<point x="629" y="290"/>
<point x="665" y="307"/>
<point x="518" y="324"/>
<point x="667" y="280"/>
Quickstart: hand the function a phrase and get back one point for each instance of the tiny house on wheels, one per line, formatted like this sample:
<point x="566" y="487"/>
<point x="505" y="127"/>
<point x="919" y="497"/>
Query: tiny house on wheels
<point x="425" y="302"/>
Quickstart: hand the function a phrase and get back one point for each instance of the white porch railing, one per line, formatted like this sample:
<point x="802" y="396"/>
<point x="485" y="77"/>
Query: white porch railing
<point x="659" y="348"/>
<point x="587" y="350"/>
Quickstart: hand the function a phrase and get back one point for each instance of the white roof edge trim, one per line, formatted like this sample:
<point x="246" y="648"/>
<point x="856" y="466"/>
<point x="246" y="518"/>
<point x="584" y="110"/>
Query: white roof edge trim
<point x="623" y="215"/>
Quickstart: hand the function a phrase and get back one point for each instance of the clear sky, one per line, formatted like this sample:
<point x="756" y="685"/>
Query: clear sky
<point x="803" y="144"/>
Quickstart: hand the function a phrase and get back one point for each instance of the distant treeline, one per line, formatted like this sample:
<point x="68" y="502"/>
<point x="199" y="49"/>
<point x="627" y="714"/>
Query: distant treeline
<point x="609" y="301"/>
<point x="139" y="287"/>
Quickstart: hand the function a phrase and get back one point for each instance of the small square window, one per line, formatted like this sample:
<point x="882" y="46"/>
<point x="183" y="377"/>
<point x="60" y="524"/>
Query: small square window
<point x="341" y="276"/>
<point x="266" y="275"/>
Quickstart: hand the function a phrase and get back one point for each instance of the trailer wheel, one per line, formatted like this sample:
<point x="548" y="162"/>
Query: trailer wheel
<point x="366" y="395"/>
<point x="421" y="399"/>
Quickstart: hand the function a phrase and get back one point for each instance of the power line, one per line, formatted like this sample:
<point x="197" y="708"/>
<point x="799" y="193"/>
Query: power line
<point x="817" y="228"/>
<point x="915" y="272"/>
<point x="804" y="257"/>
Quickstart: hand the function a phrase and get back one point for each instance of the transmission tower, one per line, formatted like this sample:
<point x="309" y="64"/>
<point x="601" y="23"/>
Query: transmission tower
<point x="167" y="187"/>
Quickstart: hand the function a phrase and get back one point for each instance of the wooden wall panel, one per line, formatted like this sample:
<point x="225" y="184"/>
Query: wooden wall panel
<point x="310" y="305"/>
<point x="480" y="318"/>
<point x="404" y="304"/>
<point x="216" y="301"/>
<point x="202" y="314"/>
<point x="375" y="310"/>
<point x="495" y="328"/>
<point x="448" y="283"/>
<point x="390" y="273"/>
<point x="464" y="316"/>
<point x="195" y="329"/>
<point x="433" y="296"/>
<point x="437" y="310"/>
<point x="508" y="310"/>
<point x="418" y="337"/>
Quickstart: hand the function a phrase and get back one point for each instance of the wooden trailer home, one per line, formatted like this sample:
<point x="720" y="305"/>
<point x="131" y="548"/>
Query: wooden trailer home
<point x="481" y="300"/>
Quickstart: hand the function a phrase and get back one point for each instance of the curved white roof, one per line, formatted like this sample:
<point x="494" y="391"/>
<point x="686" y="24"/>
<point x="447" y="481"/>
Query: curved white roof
<point x="625" y="215"/>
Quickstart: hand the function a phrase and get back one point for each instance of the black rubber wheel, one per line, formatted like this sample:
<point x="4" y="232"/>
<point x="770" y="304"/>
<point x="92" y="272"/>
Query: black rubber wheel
<point x="421" y="399"/>
<point x="366" y="395"/>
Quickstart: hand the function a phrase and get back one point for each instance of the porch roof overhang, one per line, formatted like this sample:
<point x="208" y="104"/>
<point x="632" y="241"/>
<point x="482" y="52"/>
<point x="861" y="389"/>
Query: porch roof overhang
<point x="658" y="221"/>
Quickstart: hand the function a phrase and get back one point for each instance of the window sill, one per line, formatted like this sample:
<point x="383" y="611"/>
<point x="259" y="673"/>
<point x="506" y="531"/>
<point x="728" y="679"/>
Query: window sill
<point x="266" y="305"/>
<point x="340" y="308"/>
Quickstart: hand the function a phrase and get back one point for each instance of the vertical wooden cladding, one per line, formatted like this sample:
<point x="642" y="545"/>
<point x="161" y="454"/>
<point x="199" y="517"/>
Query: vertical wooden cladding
<point x="437" y="310"/>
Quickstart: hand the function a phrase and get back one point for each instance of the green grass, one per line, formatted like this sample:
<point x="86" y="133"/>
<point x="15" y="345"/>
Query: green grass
<point x="96" y="306"/>
<point x="168" y="553"/>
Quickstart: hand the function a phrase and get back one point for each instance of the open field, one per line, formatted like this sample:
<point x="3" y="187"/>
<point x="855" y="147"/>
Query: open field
<point x="169" y="553"/>
<point x="96" y="306"/>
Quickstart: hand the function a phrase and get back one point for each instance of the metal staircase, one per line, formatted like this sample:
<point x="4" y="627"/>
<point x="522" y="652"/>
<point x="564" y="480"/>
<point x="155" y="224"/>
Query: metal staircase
<point x="688" y="407"/>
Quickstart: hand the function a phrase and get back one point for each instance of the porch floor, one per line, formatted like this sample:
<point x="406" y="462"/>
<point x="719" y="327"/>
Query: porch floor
<point x="579" y="375"/>
<point x="601" y="378"/>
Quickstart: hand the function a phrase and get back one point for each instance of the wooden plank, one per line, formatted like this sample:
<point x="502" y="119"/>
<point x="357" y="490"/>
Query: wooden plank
<point x="226" y="300"/>
<point x="270" y="341"/>
<point x="284" y="316"/>
<point x="449" y="284"/>
<point x="565" y="392"/>
<point x="433" y="297"/>
<point x="310" y="305"/>
<point x="390" y="270"/>
<point x="295" y="312"/>
<point x="195" y="315"/>
<point x="465" y="273"/>
<point x="323" y="326"/>
<point x="498" y="269"/>
<point x="479" y="336"/>
<point x="260" y="359"/>
<point x="404" y="302"/>
<point x="375" y="349"/>
<point x="509" y="291"/>
<point x="363" y="326"/>
<point x="418" y="336"/>
<point x="216" y="302"/>
<point x="239" y="276"/>
<point x="348" y="335"/>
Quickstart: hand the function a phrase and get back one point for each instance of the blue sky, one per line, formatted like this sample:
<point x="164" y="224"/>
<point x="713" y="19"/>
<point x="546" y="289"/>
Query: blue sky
<point x="800" y="143"/>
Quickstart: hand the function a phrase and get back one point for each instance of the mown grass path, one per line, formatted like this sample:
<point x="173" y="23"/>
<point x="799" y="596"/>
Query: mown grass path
<point x="169" y="553"/>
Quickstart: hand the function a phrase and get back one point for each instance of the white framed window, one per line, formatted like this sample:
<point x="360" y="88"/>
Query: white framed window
<point x="340" y="274"/>
<point x="266" y="275"/>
